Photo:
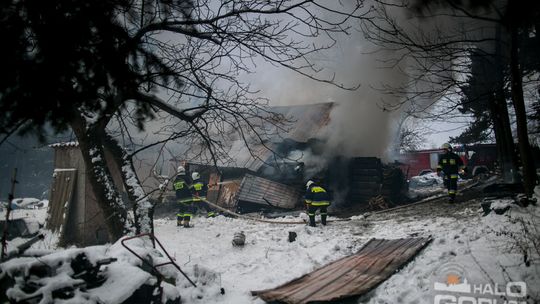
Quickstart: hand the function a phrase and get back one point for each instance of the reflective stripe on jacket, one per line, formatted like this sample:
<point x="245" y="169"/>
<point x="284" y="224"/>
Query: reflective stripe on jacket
<point x="181" y="188"/>
<point x="199" y="191"/>
<point x="317" y="196"/>
<point x="450" y="163"/>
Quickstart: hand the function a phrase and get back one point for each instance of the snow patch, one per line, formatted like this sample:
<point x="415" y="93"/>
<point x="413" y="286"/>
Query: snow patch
<point x="501" y="204"/>
<point x="485" y="247"/>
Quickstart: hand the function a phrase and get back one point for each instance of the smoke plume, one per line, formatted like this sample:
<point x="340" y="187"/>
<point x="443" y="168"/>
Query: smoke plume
<point x="359" y="125"/>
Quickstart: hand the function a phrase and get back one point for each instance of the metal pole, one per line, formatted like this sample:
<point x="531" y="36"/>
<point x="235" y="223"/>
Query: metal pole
<point x="8" y="212"/>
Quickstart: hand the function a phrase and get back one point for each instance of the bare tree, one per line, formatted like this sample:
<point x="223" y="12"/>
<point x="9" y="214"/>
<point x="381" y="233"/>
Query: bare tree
<point x="411" y="136"/>
<point x="99" y="66"/>
<point x="438" y="38"/>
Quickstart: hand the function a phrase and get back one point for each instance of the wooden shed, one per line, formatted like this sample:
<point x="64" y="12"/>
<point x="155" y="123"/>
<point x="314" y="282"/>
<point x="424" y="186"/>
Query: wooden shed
<point x="73" y="208"/>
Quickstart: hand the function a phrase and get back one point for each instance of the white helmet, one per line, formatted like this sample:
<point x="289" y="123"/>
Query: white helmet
<point x="309" y="183"/>
<point x="181" y="170"/>
<point x="446" y="146"/>
<point x="195" y="176"/>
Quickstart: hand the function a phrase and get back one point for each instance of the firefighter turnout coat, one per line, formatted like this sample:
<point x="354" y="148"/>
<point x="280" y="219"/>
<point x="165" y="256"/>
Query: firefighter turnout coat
<point x="199" y="191"/>
<point x="317" y="196"/>
<point x="181" y="187"/>
<point x="450" y="163"/>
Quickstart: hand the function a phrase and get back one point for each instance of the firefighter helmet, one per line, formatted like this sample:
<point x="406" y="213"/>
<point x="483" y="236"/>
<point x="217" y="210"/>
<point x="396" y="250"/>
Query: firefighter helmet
<point x="309" y="183"/>
<point x="195" y="176"/>
<point x="446" y="146"/>
<point x="181" y="170"/>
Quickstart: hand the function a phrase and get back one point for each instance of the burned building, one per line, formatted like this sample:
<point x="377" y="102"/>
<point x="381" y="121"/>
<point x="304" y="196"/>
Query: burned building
<point x="273" y="175"/>
<point x="267" y="175"/>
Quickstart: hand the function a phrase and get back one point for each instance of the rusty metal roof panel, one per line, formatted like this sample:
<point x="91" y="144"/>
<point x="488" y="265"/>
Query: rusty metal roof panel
<point x="262" y="191"/>
<point x="350" y="276"/>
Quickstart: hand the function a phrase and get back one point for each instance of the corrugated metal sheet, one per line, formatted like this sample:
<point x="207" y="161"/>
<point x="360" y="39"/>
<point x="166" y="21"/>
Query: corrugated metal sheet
<point x="350" y="276"/>
<point x="61" y="194"/>
<point x="262" y="191"/>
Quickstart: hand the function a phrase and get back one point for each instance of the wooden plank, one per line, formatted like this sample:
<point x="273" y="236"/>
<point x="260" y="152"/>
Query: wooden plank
<point x="213" y="188"/>
<point x="61" y="195"/>
<point x="228" y="193"/>
<point x="350" y="276"/>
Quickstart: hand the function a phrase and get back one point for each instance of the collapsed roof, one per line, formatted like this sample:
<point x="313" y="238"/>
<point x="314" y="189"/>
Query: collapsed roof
<point x="302" y="123"/>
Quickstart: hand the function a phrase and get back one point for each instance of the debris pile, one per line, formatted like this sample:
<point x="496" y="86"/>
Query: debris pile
<point x="379" y="203"/>
<point x="103" y="274"/>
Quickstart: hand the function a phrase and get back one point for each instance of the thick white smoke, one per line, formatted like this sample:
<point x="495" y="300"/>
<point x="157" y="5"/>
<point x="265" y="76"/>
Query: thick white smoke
<point x="359" y="125"/>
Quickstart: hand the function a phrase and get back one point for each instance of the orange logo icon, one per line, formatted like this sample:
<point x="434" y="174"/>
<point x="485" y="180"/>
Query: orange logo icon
<point x="452" y="279"/>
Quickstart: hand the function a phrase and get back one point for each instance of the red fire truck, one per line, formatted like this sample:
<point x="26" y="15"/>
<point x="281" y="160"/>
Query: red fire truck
<point x="478" y="158"/>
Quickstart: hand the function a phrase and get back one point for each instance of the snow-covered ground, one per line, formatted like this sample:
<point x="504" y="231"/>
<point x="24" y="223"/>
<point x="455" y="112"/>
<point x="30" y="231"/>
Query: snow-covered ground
<point x="430" y="184"/>
<point x="26" y="203"/>
<point x="487" y="251"/>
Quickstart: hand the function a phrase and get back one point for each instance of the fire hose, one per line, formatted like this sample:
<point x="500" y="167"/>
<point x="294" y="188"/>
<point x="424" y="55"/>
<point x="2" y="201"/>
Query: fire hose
<point x="263" y="220"/>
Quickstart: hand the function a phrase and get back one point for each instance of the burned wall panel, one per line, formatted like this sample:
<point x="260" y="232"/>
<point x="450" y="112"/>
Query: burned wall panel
<point x="62" y="190"/>
<point x="267" y="193"/>
<point x="228" y="193"/>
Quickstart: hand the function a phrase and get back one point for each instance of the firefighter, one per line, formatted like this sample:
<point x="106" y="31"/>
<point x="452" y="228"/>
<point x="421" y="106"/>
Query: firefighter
<point x="199" y="191"/>
<point x="449" y="166"/>
<point x="181" y="186"/>
<point x="316" y="197"/>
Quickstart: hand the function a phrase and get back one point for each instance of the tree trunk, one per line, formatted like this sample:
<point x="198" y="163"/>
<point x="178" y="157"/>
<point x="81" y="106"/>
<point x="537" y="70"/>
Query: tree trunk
<point x="503" y="137"/>
<point x="113" y="208"/>
<point x="527" y="161"/>
<point x="141" y="205"/>
<point x="500" y="118"/>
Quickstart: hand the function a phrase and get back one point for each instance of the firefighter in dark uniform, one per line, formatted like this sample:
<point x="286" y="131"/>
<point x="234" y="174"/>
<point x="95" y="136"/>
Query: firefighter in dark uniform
<point x="450" y="164"/>
<point x="316" y="198"/>
<point x="199" y="190"/>
<point x="184" y="198"/>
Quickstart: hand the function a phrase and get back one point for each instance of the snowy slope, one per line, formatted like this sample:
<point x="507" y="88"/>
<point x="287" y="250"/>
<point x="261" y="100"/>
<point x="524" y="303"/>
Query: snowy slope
<point x="486" y="250"/>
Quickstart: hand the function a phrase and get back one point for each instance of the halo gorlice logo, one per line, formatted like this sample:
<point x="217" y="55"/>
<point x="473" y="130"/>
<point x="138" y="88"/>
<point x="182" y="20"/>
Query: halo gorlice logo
<point x="452" y="287"/>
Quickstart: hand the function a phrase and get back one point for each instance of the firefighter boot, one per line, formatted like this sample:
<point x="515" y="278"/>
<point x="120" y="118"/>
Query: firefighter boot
<point x="323" y="219"/>
<point x="186" y="224"/>
<point x="179" y="220"/>
<point x="312" y="220"/>
<point x="186" y="221"/>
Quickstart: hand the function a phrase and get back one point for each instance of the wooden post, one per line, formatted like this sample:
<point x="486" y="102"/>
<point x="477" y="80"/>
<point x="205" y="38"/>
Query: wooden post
<point x="6" y="224"/>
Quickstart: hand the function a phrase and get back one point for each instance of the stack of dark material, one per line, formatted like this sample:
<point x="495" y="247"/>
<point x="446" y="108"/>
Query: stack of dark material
<point x="365" y="179"/>
<point x="394" y="184"/>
